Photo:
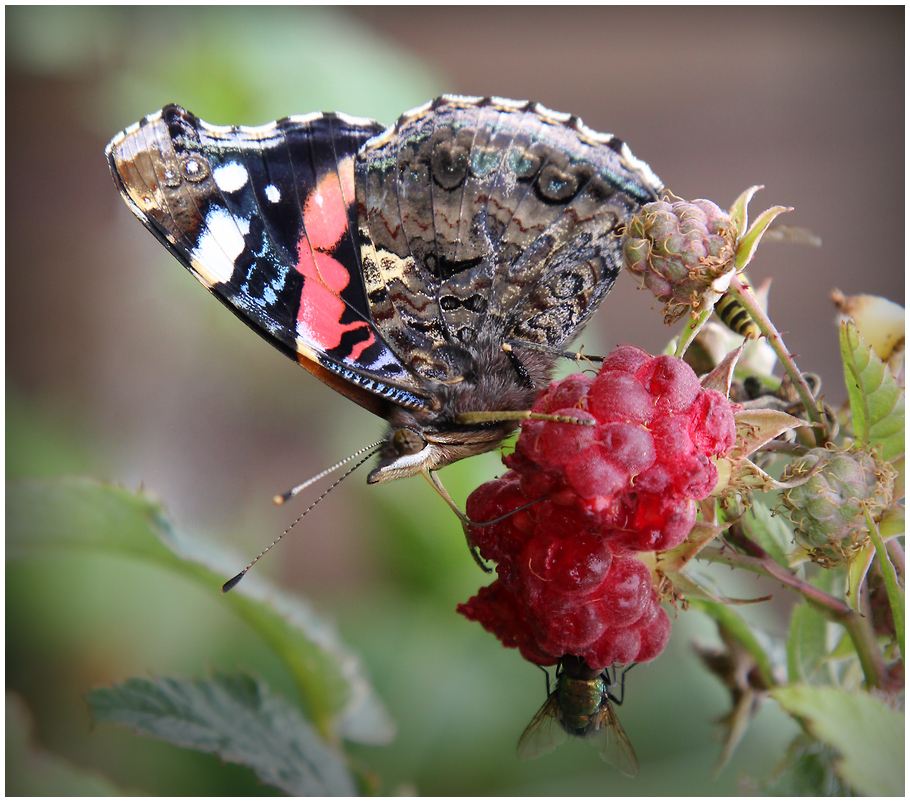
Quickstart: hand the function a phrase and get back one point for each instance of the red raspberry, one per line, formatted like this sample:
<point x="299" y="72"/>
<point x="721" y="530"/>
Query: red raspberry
<point x="572" y="630"/>
<point x="671" y="438"/>
<point x="627" y="358"/>
<point x="568" y="581"/>
<point x="652" y="523"/>
<point x="615" y="646"/>
<point x="623" y="597"/>
<point x="594" y="474"/>
<point x="654" y="636"/>
<point x="571" y="392"/>
<point x="575" y="566"/>
<point x="617" y="397"/>
<point x="711" y="423"/>
<point x="671" y="383"/>
<point x="550" y="445"/>
<point x="494" y="500"/>
<point x="629" y="446"/>
<point x="496" y="609"/>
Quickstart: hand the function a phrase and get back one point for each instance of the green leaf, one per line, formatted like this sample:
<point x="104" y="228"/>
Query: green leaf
<point x="31" y="771"/>
<point x="234" y="717"/>
<point x="876" y="399"/>
<point x="53" y="517"/>
<point x="739" y="630"/>
<point x="807" y="645"/>
<point x="867" y="733"/>
<point x="770" y="531"/>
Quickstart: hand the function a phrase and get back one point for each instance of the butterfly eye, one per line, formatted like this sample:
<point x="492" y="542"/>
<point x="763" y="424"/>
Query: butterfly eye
<point x="407" y="441"/>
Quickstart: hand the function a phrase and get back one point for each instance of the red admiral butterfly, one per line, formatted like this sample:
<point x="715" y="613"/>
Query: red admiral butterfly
<point x="425" y="271"/>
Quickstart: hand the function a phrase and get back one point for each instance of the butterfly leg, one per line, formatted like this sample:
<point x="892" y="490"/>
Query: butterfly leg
<point x="434" y="480"/>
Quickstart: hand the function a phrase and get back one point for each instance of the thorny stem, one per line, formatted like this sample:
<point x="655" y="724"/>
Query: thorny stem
<point x="858" y="627"/>
<point x="744" y="295"/>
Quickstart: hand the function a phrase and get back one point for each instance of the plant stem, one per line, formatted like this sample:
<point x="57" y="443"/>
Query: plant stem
<point x="744" y="295"/>
<point x="858" y="627"/>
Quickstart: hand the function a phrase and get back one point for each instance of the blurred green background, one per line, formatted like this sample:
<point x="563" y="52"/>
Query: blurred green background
<point x="119" y="366"/>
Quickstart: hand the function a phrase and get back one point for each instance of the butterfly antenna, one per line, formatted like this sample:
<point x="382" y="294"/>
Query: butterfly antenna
<point x="283" y="497"/>
<point x="232" y="583"/>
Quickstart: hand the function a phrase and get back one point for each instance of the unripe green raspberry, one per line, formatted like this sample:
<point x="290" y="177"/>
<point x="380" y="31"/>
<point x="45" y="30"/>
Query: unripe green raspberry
<point x="678" y="250"/>
<point x="829" y="509"/>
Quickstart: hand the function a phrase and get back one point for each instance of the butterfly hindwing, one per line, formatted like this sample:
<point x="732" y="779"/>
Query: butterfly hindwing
<point x="493" y="219"/>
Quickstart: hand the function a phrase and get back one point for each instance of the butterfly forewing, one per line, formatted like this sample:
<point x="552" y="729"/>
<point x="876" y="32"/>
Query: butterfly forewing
<point x="262" y="217"/>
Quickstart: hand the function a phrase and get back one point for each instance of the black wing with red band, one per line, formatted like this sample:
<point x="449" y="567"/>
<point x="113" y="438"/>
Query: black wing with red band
<point x="265" y="219"/>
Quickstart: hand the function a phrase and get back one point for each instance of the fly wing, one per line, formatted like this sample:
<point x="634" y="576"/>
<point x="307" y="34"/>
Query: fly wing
<point x="544" y="733"/>
<point x="614" y="744"/>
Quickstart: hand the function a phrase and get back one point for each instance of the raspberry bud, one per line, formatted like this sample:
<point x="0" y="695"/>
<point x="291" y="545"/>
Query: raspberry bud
<point x="678" y="250"/>
<point x="829" y="509"/>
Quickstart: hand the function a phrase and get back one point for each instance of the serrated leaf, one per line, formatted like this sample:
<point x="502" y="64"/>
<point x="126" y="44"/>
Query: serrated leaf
<point x="867" y="733"/>
<point x="72" y="514"/>
<point x="770" y="531"/>
<point x="807" y="644"/>
<point x="234" y="717"/>
<point x="876" y="399"/>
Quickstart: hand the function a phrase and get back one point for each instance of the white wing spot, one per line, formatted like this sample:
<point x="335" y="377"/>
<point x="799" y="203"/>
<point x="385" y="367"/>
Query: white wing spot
<point x="220" y="245"/>
<point x="230" y="177"/>
<point x="273" y="193"/>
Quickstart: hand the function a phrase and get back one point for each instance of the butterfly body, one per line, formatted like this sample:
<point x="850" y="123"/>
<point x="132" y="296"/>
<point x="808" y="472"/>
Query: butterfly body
<point x="425" y="271"/>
